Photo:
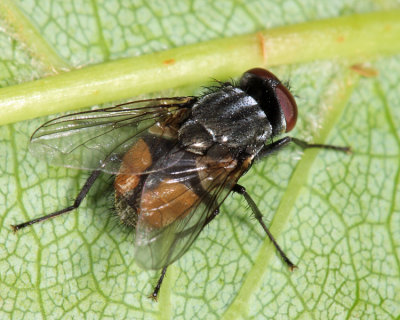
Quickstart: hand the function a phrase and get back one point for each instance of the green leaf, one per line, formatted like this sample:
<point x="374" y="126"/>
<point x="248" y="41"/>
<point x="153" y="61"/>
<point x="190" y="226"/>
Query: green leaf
<point x="336" y="216"/>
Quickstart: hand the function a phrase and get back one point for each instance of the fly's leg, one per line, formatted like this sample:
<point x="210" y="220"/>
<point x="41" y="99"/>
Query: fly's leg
<point x="154" y="295"/>
<point x="279" y="144"/>
<point x="265" y="151"/>
<point x="211" y="218"/>
<point x="81" y="195"/>
<point x="305" y="145"/>
<point x="258" y="215"/>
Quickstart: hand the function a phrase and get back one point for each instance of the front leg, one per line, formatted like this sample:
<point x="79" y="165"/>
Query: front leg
<point x="279" y="144"/>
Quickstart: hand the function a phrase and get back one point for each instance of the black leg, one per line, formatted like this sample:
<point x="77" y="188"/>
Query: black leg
<point x="211" y="218"/>
<point x="82" y="194"/>
<point x="279" y="144"/>
<point x="154" y="295"/>
<point x="241" y="190"/>
<point x="306" y="145"/>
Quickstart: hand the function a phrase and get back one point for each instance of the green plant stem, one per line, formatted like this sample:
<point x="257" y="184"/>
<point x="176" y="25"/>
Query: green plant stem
<point x="360" y="36"/>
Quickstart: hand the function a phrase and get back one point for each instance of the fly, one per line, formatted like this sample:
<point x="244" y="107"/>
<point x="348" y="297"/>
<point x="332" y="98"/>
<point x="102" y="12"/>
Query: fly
<point x="174" y="160"/>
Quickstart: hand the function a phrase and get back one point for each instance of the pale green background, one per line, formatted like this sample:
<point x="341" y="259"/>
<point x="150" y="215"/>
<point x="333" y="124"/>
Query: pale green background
<point x="343" y="230"/>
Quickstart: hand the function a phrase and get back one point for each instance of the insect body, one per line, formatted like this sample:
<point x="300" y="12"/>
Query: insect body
<point x="175" y="160"/>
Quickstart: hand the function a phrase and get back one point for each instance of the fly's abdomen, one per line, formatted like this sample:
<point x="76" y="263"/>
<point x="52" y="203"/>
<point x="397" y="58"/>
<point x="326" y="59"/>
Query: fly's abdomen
<point x="169" y="201"/>
<point x="127" y="182"/>
<point x="160" y="201"/>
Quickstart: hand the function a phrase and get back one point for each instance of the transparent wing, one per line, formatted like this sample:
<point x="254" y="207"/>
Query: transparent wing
<point x="96" y="139"/>
<point x="177" y="203"/>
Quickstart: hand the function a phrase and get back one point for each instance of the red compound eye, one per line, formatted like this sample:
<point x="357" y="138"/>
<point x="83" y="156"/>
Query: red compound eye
<point x="288" y="105"/>
<point x="285" y="98"/>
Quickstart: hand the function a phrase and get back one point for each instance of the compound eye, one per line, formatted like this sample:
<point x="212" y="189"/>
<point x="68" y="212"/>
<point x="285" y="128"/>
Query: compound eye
<point x="285" y="98"/>
<point x="262" y="73"/>
<point x="288" y="105"/>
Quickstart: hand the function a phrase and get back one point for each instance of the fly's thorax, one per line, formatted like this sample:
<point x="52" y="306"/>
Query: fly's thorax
<point x="229" y="118"/>
<point x="168" y="127"/>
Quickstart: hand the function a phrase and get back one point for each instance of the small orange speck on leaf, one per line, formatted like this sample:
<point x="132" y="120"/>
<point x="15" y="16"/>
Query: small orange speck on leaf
<point x="261" y="39"/>
<point x="169" y="61"/>
<point x="340" y="39"/>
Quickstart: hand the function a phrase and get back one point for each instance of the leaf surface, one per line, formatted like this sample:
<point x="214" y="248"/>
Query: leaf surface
<point x="336" y="216"/>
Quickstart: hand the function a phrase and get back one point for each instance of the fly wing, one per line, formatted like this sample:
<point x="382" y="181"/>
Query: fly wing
<point x="177" y="203"/>
<point x="96" y="139"/>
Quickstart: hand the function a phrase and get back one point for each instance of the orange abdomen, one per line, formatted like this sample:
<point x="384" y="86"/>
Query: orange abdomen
<point x="166" y="203"/>
<point x="160" y="205"/>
